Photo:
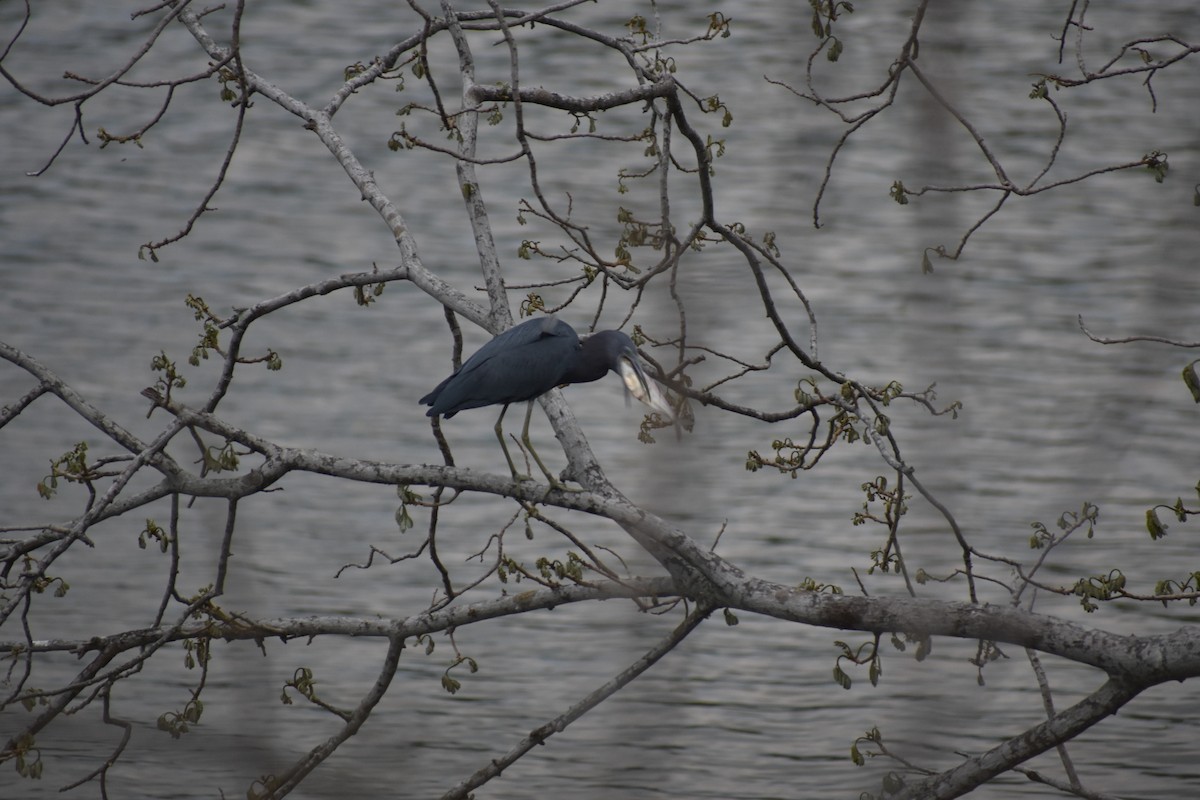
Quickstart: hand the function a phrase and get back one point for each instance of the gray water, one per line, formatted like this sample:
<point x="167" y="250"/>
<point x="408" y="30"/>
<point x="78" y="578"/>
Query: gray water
<point x="1050" y="419"/>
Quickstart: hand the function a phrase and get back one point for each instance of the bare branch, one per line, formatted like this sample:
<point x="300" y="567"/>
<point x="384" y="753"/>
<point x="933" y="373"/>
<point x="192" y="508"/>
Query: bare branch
<point x="593" y="699"/>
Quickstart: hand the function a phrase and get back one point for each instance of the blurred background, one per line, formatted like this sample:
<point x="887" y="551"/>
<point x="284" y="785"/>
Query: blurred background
<point x="1050" y="419"/>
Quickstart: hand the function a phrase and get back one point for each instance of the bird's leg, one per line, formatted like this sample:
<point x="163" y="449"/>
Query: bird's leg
<point x="517" y="476"/>
<point x="529" y="446"/>
<point x="555" y="483"/>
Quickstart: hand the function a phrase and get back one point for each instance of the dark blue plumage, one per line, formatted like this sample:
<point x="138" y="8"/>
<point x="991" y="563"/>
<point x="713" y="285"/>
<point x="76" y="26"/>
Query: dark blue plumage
<point x="528" y="360"/>
<point x="522" y="363"/>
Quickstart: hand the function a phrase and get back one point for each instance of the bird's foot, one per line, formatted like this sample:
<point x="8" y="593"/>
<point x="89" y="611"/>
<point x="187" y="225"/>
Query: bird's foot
<point x="555" y="483"/>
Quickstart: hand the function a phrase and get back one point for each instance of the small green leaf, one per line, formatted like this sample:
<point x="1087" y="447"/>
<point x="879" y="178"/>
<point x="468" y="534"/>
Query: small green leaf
<point x="1154" y="524"/>
<point x="404" y="520"/>
<point x="1192" y="381"/>
<point x="1156" y="163"/>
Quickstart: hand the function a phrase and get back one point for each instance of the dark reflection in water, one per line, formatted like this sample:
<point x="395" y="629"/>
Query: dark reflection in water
<point x="1050" y="419"/>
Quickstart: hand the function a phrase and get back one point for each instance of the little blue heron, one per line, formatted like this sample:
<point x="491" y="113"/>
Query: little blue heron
<point x="528" y="360"/>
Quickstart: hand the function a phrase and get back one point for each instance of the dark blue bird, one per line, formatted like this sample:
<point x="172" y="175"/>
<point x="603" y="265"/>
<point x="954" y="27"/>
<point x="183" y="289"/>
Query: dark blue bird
<point x="528" y="360"/>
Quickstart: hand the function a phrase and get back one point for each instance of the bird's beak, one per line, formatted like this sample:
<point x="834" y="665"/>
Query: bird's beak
<point x="644" y="389"/>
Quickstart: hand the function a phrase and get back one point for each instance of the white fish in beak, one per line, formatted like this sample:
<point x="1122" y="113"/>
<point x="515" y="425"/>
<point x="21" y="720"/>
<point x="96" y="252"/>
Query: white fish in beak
<point x="644" y="389"/>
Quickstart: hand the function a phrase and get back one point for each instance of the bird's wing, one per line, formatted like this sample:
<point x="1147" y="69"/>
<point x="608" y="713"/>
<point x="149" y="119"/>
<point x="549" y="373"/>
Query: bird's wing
<point x="521" y="363"/>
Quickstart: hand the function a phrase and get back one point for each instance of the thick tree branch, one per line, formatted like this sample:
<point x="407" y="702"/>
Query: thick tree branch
<point x="1065" y="725"/>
